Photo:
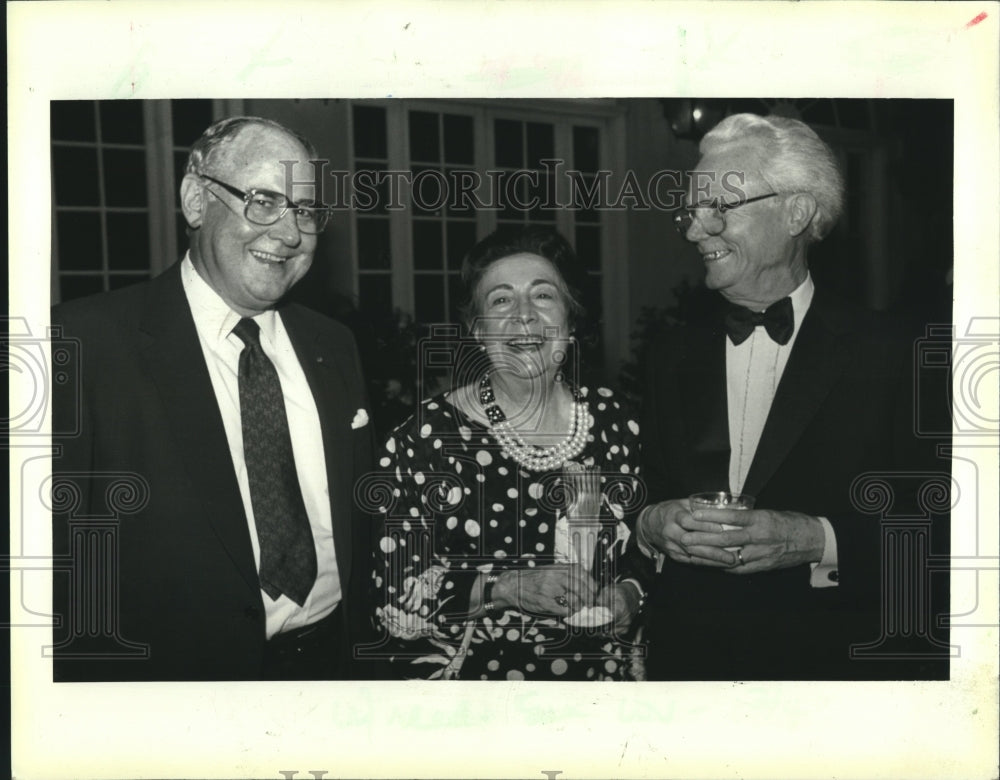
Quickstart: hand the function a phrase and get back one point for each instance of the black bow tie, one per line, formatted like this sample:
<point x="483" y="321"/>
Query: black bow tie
<point x="778" y="320"/>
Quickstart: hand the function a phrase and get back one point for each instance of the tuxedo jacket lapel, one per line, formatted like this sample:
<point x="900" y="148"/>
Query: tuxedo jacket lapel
<point x="174" y="359"/>
<point x="320" y="363"/>
<point x="818" y="358"/>
<point x="703" y="396"/>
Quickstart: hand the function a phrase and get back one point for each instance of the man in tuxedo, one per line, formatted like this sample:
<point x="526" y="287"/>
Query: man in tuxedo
<point x="792" y="398"/>
<point x="203" y="515"/>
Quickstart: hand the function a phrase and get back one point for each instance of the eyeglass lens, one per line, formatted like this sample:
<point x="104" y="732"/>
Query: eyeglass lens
<point x="712" y="220"/>
<point x="267" y="208"/>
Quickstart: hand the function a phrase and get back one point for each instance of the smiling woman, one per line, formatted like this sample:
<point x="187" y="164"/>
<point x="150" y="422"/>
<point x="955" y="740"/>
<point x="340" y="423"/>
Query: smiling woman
<point x="487" y="567"/>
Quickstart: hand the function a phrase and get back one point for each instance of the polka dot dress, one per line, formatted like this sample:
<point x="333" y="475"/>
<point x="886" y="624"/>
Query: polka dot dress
<point x="456" y="507"/>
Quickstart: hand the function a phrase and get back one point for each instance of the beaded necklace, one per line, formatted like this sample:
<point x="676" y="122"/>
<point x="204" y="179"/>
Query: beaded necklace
<point x="531" y="456"/>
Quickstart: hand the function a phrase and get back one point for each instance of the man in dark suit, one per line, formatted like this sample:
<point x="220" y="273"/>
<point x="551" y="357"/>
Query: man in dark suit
<point x="203" y="515"/>
<point x="794" y="399"/>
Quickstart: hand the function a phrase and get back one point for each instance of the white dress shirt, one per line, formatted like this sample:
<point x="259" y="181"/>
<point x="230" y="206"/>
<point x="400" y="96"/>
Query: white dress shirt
<point x="753" y="371"/>
<point x="214" y="321"/>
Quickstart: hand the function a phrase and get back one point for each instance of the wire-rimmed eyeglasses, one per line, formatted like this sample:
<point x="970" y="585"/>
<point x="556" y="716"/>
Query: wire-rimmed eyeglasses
<point x="264" y="207"/>
<point x="712" y="214"/>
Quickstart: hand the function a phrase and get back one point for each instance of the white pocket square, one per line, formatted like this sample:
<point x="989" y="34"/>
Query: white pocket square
<point x="360" y="419"/>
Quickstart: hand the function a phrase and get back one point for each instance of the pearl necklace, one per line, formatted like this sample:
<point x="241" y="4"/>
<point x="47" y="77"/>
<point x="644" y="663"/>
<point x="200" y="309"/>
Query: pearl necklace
<point x="531" y="456"/>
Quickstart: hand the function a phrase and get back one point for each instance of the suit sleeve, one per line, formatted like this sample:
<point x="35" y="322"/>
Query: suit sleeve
<point x="656" y="431"/>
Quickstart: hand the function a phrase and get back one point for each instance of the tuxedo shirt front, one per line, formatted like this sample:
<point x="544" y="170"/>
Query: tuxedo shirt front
<point x="753" y="371"/>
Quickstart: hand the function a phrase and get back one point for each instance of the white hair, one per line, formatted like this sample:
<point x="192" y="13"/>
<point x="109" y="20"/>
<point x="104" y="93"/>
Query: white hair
<point x="793" y="159"/>
<point x="203" y="155"/>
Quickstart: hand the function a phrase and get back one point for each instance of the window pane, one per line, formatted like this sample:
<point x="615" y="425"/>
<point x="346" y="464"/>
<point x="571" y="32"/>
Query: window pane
<point x="124" y="177"/>
<point x="424" y="137"/>
<point x="72" y="120"/>
<point x="456" y="294"/>
<point x="587" y="192"/>
<point x="429" y="191"/>
<point x="545" y="191"/>
<point x="189" y="119"/>
<point x="128" y="241"/>
<point x="585" y="148"/>
<point x="375" y="292"/>
<point x="373" y="243"/>
<point x="463" y="187"/>
<point x="115" y="281"/>
<point x="121" y="121"/>
<point x="429" y="294"/>
<point x="428" y="252"/>
<point x="461" y="238"/>
<point x="79" y="240"/>
<point x="371" y="189"/>
<point x="544" y="209"/>
<point x="508" y="145"/>
<point x="458" y="145"/>
<point x="588" y="246"/>
<point x="541" y="143"/>
<point x="75" y="172"/>
<point x="370" y="139"/>
<point x="77" y="286"/>
<point x="514" y="193"/>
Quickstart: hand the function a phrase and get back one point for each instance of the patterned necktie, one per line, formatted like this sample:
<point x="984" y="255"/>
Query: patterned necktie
<point x="287" y="553"/>
<point x="778" y="320"/>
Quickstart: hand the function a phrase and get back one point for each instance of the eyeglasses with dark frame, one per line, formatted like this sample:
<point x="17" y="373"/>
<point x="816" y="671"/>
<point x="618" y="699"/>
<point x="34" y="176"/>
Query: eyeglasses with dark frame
<point x="712" y="214"/>
<point x="264" y="207"/>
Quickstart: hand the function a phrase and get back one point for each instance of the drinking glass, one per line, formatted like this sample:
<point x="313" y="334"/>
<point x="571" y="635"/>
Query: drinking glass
<point x="722" y="499"/>
<point x="582" y="510"/>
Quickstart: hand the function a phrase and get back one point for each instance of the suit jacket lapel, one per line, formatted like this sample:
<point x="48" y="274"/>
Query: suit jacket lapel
<point x="176" y="363"/>
<point x="817" y="360"/>
<point x="320" y="363"/>
<point x="703" y="394"/>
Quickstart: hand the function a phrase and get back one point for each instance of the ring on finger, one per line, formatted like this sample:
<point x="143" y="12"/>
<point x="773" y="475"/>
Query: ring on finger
<point x="739" y="554"/>
<point x="562" y="601"/>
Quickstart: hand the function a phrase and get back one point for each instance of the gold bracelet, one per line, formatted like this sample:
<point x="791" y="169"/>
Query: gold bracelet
<point x="488" y="606"/>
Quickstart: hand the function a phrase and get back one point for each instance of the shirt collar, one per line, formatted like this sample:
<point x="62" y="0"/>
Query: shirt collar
<point x="802" y="299"/>
<point x="213" y="318"/>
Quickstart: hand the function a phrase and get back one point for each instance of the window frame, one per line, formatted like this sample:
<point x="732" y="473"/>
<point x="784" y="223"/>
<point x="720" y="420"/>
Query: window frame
<point x="162" y="205"/>
<point x="604" y="114"/>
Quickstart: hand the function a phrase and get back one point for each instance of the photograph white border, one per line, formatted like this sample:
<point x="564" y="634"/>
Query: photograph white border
<point x="97" y="50"/>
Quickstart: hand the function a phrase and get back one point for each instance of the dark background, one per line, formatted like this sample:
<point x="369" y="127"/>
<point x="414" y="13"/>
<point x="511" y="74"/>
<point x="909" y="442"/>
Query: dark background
<point x="891" y="251"/>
